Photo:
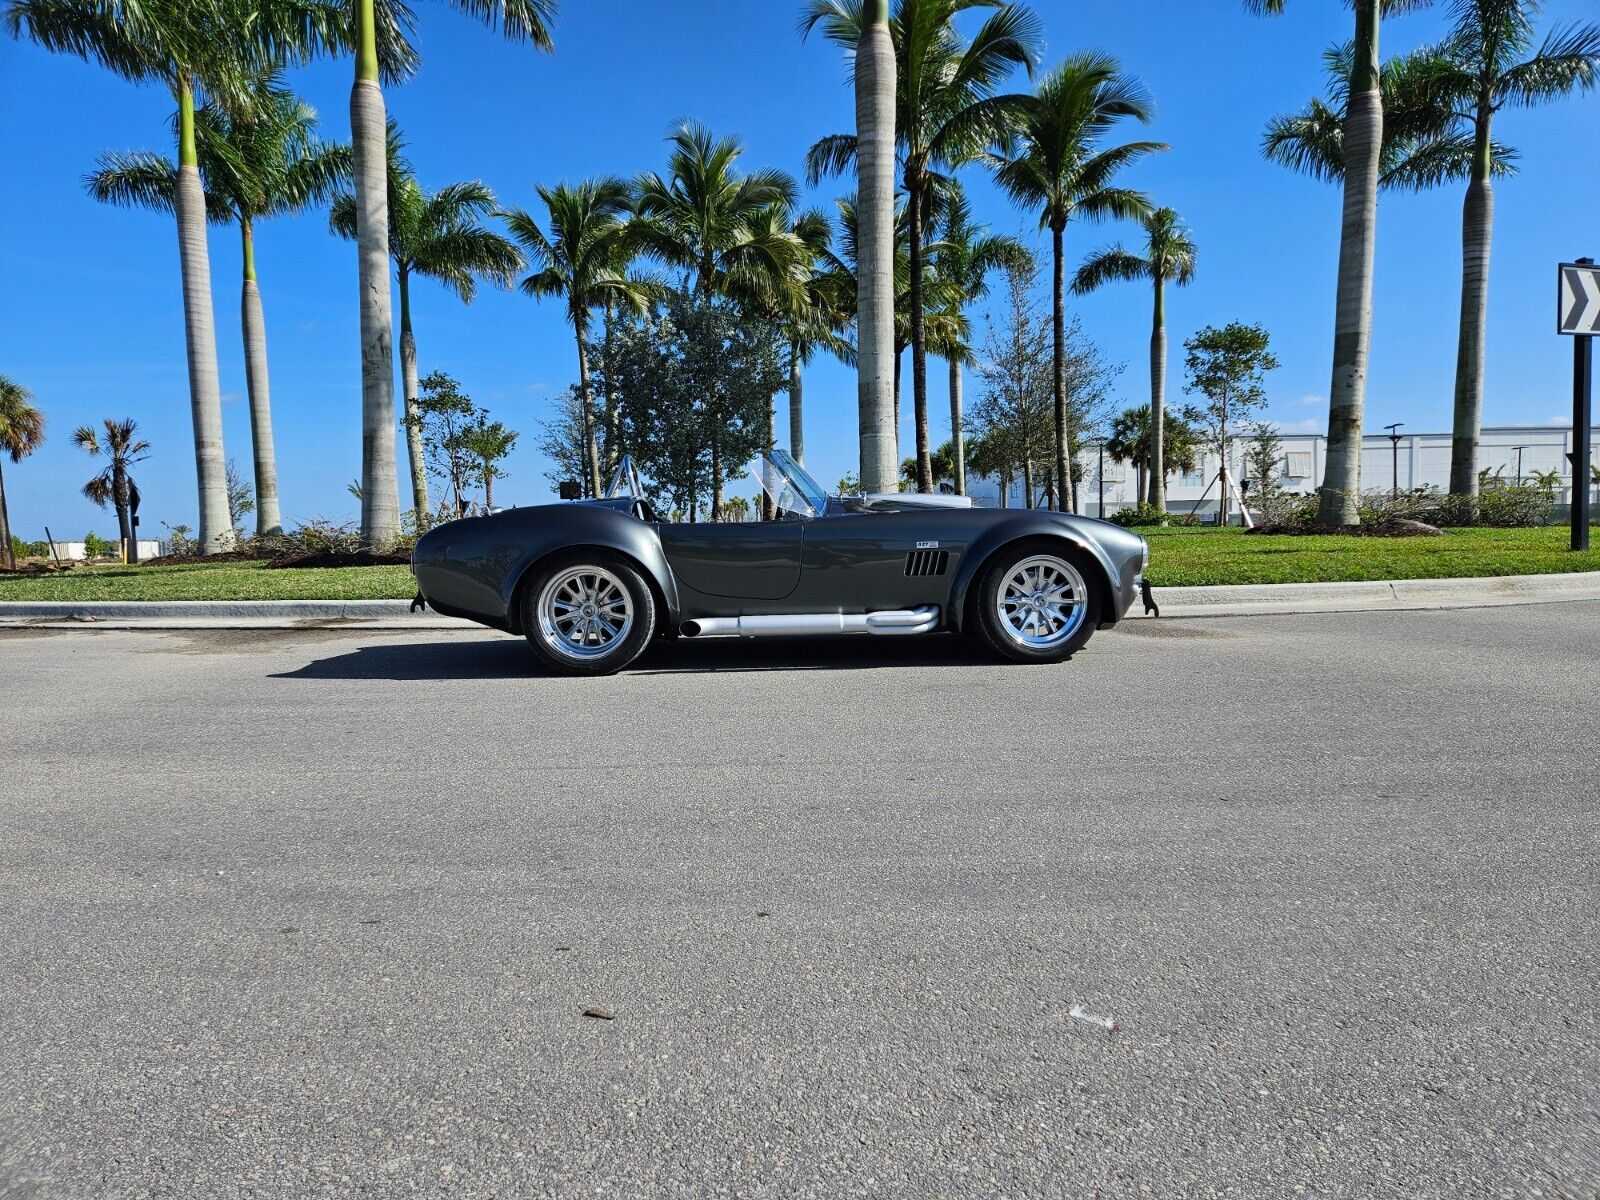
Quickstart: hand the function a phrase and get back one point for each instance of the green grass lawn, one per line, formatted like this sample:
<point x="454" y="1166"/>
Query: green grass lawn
<point x="1182" y="557"/>
<point x="225" y="581"/>
<point x="1178" y="557"/>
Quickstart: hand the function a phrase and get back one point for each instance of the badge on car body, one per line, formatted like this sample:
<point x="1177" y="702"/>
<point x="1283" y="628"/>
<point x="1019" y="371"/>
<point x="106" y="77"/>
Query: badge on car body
<point x="927" y="545"/>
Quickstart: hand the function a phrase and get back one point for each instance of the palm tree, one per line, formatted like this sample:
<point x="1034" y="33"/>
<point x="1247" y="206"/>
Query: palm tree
<point x="259" y="161"/>
<point x="122" y="448"/>
<point x="1488" y="62"/>
<point x="873" y="59"/>
<point x="195" y="48"/>
<point x="582" y="260"/>
<point x="1129" y="440"/>
<point x="945" y="323"/>
<point x="438" y="235"/>
<point x="1362" y="146"/>
<point x="962" y="261"/>
<point x="729" y="230"/>
<point x="1059" y="166"/>
<point x="21" y="433"/>
<point x="1169" y="256"/>
<point x="374" y="25"/>
<point x="948" y="108"/>
<point x="816" y="317"/>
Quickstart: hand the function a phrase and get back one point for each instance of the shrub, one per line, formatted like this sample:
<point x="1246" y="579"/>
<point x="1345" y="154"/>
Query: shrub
<point x="1149" y="514"/>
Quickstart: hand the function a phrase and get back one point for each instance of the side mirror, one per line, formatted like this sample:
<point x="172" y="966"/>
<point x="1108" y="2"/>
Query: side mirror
<point x="570" y="489"/>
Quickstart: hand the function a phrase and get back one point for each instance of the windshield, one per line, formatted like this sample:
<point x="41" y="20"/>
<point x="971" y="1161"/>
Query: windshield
<point x="787" y="485"/>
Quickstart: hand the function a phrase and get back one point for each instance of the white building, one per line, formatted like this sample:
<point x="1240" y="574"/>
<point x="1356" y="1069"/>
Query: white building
<point x="1418" y="460"/>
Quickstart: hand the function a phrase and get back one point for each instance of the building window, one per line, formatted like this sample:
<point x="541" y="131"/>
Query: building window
<point x="1297" y="464"/>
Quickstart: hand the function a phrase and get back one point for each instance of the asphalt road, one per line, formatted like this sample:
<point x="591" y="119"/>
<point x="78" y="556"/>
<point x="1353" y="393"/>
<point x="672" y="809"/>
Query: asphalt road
<point x="318" y="913"/>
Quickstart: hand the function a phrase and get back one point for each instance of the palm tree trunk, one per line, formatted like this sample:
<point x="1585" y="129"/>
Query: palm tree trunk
<point x="1158" y="400"/>
<point x="1363" y="137"/>
<point x="797" y="425"/>
<point x="253" y="324"/>
<point x="899" y="359"/>
<point x="875" y="137"/>
<point x="409" y="390"/>
<point x="1027" y="482"/>
<point x="716" y="472"/>
<point x="613" y="410"/>
<point x="919" y="335"/>
<point x="380" y="495"/>
<point x="199" y="327"/>
<point x="488" y="486"/>
<point x="119" y="499"/>
<point x="6" y="551"/>
<point x="591" y="453"/>
<point x="1477" y="232"/>
<point x="958" y="444"/>
<point x="1058" y="326"/>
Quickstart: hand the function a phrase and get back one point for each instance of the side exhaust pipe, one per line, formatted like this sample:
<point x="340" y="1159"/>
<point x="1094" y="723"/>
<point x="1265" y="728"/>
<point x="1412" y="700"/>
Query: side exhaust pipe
<point x="897" y="622"/>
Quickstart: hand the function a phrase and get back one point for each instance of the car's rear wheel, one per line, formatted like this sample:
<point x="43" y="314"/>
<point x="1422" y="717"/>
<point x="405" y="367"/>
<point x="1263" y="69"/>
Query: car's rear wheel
<point x="1036" y="602"/>
<point x="588" y="613"/>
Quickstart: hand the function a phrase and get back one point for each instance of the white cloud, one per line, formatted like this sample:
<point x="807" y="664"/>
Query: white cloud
<point x="1312" y="401"/>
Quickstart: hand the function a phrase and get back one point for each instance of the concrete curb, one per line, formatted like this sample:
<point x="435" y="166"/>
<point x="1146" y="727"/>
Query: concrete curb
<point x="1275" y="599"/>
<point x="1394" y="595"/>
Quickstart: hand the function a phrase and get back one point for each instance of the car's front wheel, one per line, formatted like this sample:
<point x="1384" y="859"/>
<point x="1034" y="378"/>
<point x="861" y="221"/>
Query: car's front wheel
<point x="588" y="614"/>
<point x="1035" y="602"/>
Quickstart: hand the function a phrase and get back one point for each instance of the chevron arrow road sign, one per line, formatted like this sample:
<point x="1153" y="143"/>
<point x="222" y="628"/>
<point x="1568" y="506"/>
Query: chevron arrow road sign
<point x="1579" y="308"/>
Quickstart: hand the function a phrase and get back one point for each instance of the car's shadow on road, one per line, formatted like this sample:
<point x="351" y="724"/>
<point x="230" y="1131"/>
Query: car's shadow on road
<point x="508" y="658"/>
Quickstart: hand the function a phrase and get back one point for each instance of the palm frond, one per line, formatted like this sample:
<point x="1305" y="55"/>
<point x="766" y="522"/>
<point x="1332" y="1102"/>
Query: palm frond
<point x="1112" y="264"/>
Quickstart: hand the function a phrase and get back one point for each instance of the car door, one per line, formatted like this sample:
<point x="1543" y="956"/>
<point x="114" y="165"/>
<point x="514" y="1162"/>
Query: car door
<point x="863" y="561"/>
<point x="748" y="560"/>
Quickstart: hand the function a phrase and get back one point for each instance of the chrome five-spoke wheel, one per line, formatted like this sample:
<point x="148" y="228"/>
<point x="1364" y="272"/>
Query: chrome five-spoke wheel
<point x="585" y="613"/>
<point x="1041" y="601"/>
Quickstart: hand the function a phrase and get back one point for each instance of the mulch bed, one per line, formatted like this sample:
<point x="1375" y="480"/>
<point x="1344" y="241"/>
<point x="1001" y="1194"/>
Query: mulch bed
<point x="340" y="558"/>
<point x="190" y="560"/>
<point x="1395" y="528"/>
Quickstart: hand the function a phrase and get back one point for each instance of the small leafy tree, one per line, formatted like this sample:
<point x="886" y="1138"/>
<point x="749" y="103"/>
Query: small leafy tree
<point x="694" y="377"/>
<point x="562" y="439"/>
<point x="488" y="442"/>
<point x="444" y="415"/>
<point x="1263" y="460"/>
<point x="95" y="546"/>
<point x="1227" y="367"/>
<point x="1015" y="409"/>
<point x="241" y="500"/>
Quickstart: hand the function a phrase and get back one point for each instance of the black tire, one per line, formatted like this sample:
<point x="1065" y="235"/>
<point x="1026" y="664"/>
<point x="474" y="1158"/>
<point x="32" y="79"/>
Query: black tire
<point x="596" y="578"/>
<point x="1031" y="634"/>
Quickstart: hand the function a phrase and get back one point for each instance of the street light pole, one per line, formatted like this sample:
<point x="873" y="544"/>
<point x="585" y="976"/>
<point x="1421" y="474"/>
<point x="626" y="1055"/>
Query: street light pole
<point x="1394" y="443"/>
<point x="1100" y="445"/>
<point x="1519" y="450"/>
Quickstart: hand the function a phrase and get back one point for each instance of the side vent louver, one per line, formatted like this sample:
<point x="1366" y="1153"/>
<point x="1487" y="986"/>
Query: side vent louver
<point x="927" y="562"/>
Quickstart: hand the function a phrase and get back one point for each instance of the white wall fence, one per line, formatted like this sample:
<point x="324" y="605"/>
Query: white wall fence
<point x="1420" y="460"/>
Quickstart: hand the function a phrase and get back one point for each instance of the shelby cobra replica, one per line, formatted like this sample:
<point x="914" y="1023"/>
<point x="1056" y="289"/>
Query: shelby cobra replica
<point x="591" y="582"/>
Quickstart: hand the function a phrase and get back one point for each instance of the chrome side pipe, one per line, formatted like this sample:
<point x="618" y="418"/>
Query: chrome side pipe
<point x="896" y="622"/>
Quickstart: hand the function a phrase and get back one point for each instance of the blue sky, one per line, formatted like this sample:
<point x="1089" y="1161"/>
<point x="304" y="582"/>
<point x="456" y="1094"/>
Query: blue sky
<point x="92" y="318"/>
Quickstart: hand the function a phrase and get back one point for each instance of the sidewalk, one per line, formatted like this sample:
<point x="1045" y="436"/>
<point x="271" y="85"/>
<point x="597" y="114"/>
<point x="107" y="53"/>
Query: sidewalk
<point x="1261" y="600"/>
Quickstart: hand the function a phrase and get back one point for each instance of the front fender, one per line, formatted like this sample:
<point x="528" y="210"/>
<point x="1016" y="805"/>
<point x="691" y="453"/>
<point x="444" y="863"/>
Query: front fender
<point x="1025" y="526"/>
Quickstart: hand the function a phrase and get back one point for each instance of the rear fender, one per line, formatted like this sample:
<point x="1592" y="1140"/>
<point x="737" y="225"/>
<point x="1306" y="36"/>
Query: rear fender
<point x="596" y="529"/>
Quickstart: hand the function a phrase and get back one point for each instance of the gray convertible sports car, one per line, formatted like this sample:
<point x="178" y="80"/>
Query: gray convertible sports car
<point x="591" y="582"/>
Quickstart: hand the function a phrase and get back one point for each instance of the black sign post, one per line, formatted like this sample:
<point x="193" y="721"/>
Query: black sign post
<point x="1578" y="316"/>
